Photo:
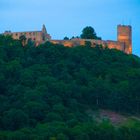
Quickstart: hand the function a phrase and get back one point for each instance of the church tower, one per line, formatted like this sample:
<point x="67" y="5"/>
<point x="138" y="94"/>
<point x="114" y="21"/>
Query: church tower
<point x="125" y="36"/>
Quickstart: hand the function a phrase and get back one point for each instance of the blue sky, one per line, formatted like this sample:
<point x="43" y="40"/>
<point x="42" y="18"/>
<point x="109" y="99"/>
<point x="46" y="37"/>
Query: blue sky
<point x="69" y="17"/>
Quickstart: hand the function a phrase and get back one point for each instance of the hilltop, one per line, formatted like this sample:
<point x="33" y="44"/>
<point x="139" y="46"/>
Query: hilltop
<point x="46" y="92"/>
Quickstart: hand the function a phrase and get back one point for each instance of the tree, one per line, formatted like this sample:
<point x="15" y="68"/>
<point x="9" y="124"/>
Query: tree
<point x="30" y="43"/>
<point x="88" y="44"/>
<point x="35" y="110"/>
<point x="14" y="119"/>
<point x="52" y="92"/>
<point x="66" y="38"/>
<point x="61" y="136"/>
<point x="22" y="38"/>
<point x="89" y="33"/>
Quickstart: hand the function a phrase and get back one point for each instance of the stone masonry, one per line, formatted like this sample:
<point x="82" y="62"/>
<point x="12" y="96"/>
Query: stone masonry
<point x="37" y="36"/>
<point x="123" y="43"/>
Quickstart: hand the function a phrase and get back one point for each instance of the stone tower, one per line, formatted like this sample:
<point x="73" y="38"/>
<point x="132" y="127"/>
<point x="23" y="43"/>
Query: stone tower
<point x="125" y="36"/>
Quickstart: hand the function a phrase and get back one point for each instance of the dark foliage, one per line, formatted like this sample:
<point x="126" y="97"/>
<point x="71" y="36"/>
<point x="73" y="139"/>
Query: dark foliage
<point x="89" y="33"/>
<point x="45" y="92"/>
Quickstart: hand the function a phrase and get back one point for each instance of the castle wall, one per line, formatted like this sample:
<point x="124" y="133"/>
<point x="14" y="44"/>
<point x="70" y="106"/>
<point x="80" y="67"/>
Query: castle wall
<point x="37" y="36"/>
<point x="123" y="43"/>
<point x="69" y="43"/>
<point x="116" y="45"/>
<point x="80" y="42"/>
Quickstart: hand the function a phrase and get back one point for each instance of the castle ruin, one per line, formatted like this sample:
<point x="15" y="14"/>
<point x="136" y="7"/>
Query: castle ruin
<point x="123" y="43"/>
<point x="38" y="37"/>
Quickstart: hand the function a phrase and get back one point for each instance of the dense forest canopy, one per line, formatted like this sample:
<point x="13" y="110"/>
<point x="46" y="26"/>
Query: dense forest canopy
<point x="45" y="92"/>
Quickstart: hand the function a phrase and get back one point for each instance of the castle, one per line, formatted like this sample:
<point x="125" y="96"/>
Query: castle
<point x="123" y="43"/>
<point x="37" y="36"/>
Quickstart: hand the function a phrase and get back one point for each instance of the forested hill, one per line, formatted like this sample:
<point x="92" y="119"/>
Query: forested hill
<point x="45" y="92"/>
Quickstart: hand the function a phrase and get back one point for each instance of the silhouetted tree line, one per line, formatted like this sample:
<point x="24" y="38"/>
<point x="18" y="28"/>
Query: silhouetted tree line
<point x="45" y="92"/>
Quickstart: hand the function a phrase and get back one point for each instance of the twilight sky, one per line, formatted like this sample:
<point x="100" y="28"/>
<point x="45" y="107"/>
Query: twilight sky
<point x="69" y="17"/>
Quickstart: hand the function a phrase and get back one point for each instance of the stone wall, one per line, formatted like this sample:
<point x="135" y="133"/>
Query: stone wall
<point x="123" y="43"/>
<point x="81" y="42"/>
<point x="37" y="36"/>
<point x="116" y="45"/>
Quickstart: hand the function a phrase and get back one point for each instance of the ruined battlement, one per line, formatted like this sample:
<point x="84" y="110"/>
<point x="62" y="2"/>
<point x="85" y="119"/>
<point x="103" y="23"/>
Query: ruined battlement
<point x="123" y="42"/>
<point x="81" y="42"/>
<point x="37" y="36"/>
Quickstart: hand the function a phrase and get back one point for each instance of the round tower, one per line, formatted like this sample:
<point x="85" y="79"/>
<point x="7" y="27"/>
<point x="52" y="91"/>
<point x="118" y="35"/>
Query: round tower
<point x="125" y="36"/>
